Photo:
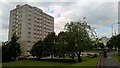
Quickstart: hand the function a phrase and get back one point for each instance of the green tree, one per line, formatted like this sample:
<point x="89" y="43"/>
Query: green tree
<point x="80" y="37"/>
<point x="38" y="49"/>
<point x="11" y="49"/>
<point x="101" y="45"/>
<point x="62" y="44"/>
<point x="50" y="43"/>
<point x="114" y="42"/>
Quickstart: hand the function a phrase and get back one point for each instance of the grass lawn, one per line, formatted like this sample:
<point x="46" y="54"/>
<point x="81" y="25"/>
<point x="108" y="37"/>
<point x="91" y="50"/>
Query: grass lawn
<point x="115" y="55"/>
<point x="33" y="63"/>
<point x="90" y="62"/>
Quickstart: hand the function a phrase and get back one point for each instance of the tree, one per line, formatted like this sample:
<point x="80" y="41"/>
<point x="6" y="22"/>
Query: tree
<point x="114" y="42"/>
<point x="38" y="49"/>
<point x="80" y="37"/>
<point x="62" y="44"/>
<point x="49" y="43"/>
<point x="0" y="53"/>
<point x="11" y="49"/>
<point x="101" y="45"/>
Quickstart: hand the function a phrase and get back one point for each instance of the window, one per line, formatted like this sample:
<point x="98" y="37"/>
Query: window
<point x="29" y="23"/>
<point x="29" y="36"/>
<point x="34" y="38"/>
<point x="29" y="32"/>
<point x="38" y="19"/>
<point x="16" y="29"/>
<point x="29" y="19"/>
<point x="28" y="41"/>
<point x="17" y="21"/>
<point x="16" y="25"/>
<point x="35" y="33"/>
<point x="35" y="21"/>
<point x="29" y="28"/>
<point x="29" y="15"/>
<point x="16" y="17"/>
<point x="35" y="26"/>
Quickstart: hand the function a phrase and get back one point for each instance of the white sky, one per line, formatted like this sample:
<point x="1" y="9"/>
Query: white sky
<point x="100" y="14"/>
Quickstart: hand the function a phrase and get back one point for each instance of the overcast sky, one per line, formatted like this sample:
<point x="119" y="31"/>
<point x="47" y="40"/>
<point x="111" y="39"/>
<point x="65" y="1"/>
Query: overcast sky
<point x="100" y="14"/>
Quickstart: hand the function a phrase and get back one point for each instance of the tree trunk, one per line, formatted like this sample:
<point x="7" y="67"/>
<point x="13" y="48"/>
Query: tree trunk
<point x="63" y="56"/>
<point x="79" y="58"/>
<point x="51" y="55"/>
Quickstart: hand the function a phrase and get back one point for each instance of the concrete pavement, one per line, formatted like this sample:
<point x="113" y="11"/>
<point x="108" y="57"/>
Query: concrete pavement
<point x="110" y="62"/>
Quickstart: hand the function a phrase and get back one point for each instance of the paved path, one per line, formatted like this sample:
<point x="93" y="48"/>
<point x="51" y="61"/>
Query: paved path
<point x="110" y="62"/>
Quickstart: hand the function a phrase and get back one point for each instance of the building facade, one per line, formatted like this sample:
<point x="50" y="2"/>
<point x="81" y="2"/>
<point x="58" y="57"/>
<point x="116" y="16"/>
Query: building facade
<point x="30" y="24"/>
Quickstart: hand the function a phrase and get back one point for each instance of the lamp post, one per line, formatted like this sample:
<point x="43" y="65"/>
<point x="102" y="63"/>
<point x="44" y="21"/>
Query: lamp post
<point x="114" y="31"/>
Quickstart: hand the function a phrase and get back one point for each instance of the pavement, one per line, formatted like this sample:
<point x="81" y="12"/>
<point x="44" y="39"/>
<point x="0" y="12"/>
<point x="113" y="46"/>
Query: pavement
<point x="110" y="62"/>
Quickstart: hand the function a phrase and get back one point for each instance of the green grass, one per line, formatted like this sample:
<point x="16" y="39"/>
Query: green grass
<point x="90" y="62"/>
<point x="0" y="64"/>
<point x="115" y="55"/>
<point x="33" y="63"/>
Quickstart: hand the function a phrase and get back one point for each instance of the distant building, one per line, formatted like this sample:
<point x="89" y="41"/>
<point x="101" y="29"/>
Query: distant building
<point x="30" y="24"/>
<point x="104" y="40"/>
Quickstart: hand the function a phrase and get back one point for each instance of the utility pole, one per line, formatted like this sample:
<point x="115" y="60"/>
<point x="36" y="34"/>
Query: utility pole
<point x="114" y="29"/>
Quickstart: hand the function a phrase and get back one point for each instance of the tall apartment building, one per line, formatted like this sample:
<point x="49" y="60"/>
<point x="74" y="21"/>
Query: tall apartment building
<point x="30" y="24"/>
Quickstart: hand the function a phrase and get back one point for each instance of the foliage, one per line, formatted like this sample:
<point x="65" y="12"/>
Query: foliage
<point x="101" y="45"/>
<point x="11" y="49"/>
<point x="49" y="43"/>
<point x="80" y="37"/>
<point x="62" y="44"/>
<point x="38" y="49"/>
<point x="114" y="42"/>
